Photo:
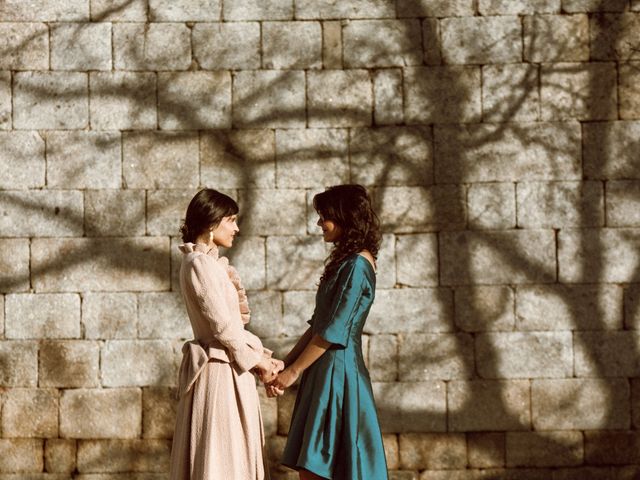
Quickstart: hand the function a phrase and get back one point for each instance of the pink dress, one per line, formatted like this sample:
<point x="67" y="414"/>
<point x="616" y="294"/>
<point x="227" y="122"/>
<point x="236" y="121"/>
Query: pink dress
<point x="218" y="433"/>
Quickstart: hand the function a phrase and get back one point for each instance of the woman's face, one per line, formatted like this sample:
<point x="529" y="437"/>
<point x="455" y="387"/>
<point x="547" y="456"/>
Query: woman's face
<point x="331" y="231"/>
<point x="225" y="232"/>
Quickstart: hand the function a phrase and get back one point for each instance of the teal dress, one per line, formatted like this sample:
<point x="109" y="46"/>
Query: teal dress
<point x="334" y="428"/>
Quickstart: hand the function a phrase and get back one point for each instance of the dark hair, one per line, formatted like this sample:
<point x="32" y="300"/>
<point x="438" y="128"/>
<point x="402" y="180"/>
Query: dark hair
<point x="206" y="209"/>
<point x="349" y="206"/>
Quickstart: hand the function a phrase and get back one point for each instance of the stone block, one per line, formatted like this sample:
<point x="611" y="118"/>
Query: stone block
<point x="194" y="100"/>
<point x="560" y="204"/>
<point x="81" y="46"/>
<point x="611" y="150"/>
<point x="583" y="91"/>
<point x="100" y="413"/>
<point x="615" y="250"/>
<point x="623" y="204"/>
<point x="332" y="45"/>
<point x="611" y="448"/>
<point x="510" y="93"/>
<point x="160" y="160"/>
<point x="41" y="315"/>
<point x="383" y="358"/>
<point x="391" y="450"/>
<point x="184" y="10"/>
<point x="239" y="10"/>
<point x="386" y="276"/>
<point x="266" y="313"/>
<point x="109" y="315"/>
<point x="417" y="260"/>
<point x="69" y="364"/>
<point x="21" y="455"/>
<point x="481" y="40"/>
<point x="606" y="354"/>
<point x="432" y="451"/>
<point x="339" y="98"/>
<point x="631" y="309"/>
<point x="519" y="7"/>
<point x="486" y="449"/>
<point x="442" y="94"/>
<point x="108" y="264"/>
<point x="614" y="36"/>
<point x="416" y="209"/>
<point x="151" y="46"/>
<point x="122" y="100"/>
<point x="584" y="6"/>
<point x="498" y="257"/>
<point x="491" y="205"/>
<point x="431" y="41"/>
<point x="382" y="43"/>
<point x="435" y="8"/>
<point x="407" y="310"/>
<point x="484" y="308"/>
<point x="294" y="262"/>
<point x="280" y="104"/>
<point x="330" y="9"/>
<point x="285" y="408"/>
<point x="387" y="97"/>
<point x="126" y="363"/>
<point x="629" y="90"/>
<point x="22" y="160"/>
<point x="136" y="455"/>
<point x="166" y="210"/>
<point x="544" y="449"/>
<point x="238" y="158"/>
<point x="507" y="152"/>
<point x="480" y="405"/>
<point x="60" y="455"/>
<point x="248" y="257"/>
<point x="411" y="407"/>
<point x="162" y="315"/>
<point x="391" y="156"/>
<point x="26" y="47"/>
<point x="19" y="362"/>
<point x="289" y="45"/>
<point x="268" y="411"/>
<point x="273" y="212"/>
<point x="30" y="412"/>
<point x="50" y="100"/>
<point x="5" y="101"/>
<point x="556" y="38"/>
<point x="14" y="265"/>
<point x="114" y="213"/>
<point x="311" y="158"/>
<point x="297" y="308"/>
<point x="439" y="356"/>
<point x="119" y="10"/>
<point x="580" y="404"/>
<point x="568" y="307"/>
<point x="228" y="46"/>
<point x="158" y="412"/>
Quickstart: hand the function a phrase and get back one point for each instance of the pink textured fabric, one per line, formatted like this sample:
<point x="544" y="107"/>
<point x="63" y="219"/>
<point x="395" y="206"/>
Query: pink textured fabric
<point x="219" y="433"/>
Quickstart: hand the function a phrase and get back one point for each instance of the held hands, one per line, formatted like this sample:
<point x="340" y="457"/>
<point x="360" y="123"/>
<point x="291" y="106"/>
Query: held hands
<point x="284" y="380"/>
<point x="268" y="369"/>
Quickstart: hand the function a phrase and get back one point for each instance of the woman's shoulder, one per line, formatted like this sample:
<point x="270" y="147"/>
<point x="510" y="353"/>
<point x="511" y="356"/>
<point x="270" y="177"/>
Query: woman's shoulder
<point x="358" y="261"/>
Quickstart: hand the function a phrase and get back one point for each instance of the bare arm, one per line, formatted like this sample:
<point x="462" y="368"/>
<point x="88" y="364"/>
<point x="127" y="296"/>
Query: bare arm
<point x="298" y="348"/>
<point x="312" y="351"/>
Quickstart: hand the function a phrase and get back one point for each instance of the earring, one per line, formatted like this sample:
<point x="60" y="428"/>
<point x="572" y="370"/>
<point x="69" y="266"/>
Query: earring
<point x="210" y="236"/>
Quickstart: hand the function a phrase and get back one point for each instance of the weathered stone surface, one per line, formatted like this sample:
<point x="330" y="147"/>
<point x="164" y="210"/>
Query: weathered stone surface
<point x="435" y="8"/>
<point x="388" y="156"/>
<point x="109" y="315"/>
<point x="21" y="455"/>
<point x="575" y="6"/>
<point x="606" y="354"/>
<point x="435" y="356"/>
<point x="516" y="256"/>
<point x="50" y="100"/>
<point x="417" y="260"/>
<point x="234" y="45"/>
<point x="257" y="10"/>
<point x="158" y="412"/>
<point x="484" y="308"/>
<point x="518" y="7"/>
<point x="285" y="408"/>
<point x="544" y="449"/>
<point x="60" y="455"/>
<point x="510" y="93"/>
<point x="127" y="363"/>
<point x="556" y="38"/>
<point x="151" y="46"/>
<point x="386" y="275"/>
<point x="605" y="255"/>
<point x="614" y="37"/>
<point x="583" y="91"/>
<point x="629" y="90"/>
<point x="280" y="104"/>
<point x="119" y="10"/>
<point x="22" y="160"/>
<point x="30" y="412"/>
<point x="268" y="411"/>
<point x="248" y="256"/>
<point x="611" y="448"/>
<point x="383" y="358"/>
<point x="407" y="310"/>
<point x="623" y="204"/>
<point x="102" y="264"/>
<point x="332" y="44"/>
<point x="580" y="404"/>
<point x="631" y="307"/>
<point x="69" y="364"/>
<point x="19" y="362"/>
<point x="122" y="100"/>
<point x="139" y="455"/>
<point x="611" y="150"/>
<point x="391" y="452"/>
<point x="480" y="405"/>
<point x="273" y="212"/>
<point x="568" y="307"/>
<point x="339" y="98"/>
<point x="162" y="315"/>
<point x="433" y="451"/>
<point x="411" y="407"/>
<point x="166" y="210"/>
<point x="294" y="262"/>
<point x="5" y="101"/>
<point x="432" y="41"/>
<point x="442" y="94"/>
<point x="14" y="265"/>
<point x="42" y="315"/>
<point x="194" y="100"/>
<point x="387" y="97"/>
<point x="486" y="450"/>
<point x="507" y="152"/>
<point x="160" y="159"/>
<point x="117" y="213"/>
<point x="81" y="46"/>
<point x="266" y="313"/>
<point x="297" y="309"/>
<point x="26" y="47"/>
<point x="491" y="205"/>
<point x="329" y="9"/>
<point x="311" y="158"/>
<point x="184" y="10"/>
<point x="480" y="40"/>
<point x="100" y="413"/>
<point x="287" y="45"/>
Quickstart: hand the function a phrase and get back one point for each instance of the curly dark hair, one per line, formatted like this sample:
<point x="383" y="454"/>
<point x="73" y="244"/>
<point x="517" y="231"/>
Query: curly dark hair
<point x="349" y="206"/>
<point x="206" y="209"/>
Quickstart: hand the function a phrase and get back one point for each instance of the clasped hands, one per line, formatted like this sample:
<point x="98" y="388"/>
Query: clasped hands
<point x="275" y="376"/>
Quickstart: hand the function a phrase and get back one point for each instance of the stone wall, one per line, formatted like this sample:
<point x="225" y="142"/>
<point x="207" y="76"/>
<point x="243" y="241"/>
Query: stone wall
<point x="499" y="138"/>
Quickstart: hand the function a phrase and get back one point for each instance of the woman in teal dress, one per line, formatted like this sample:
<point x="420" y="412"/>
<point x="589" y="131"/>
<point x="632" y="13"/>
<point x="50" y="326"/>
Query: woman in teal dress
<point x="334" y="432"/>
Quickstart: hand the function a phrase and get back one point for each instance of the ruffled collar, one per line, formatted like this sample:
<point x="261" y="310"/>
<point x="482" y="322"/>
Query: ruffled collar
<point x="189" y="247"/>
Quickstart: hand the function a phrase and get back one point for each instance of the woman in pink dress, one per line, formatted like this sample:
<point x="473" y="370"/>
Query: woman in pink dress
<point x="218" y="433"/>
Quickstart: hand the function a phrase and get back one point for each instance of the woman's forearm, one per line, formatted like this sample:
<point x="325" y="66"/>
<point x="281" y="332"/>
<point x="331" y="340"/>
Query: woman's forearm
<point x="298" y="348"/>
<point x="314" y="350"/>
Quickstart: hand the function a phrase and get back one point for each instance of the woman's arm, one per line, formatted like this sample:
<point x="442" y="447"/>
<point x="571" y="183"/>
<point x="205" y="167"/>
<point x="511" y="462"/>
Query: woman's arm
<point x="312" y="352"/>
<point x="298" y="348"/>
